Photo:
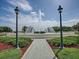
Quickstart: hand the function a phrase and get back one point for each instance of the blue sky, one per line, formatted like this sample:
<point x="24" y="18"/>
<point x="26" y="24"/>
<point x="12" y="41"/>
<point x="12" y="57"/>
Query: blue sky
<point x="29" y="12"/>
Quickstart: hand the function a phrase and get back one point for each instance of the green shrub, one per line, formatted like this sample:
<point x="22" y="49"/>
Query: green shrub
<point x="70" y="40"/>
<point x="23" y="41"/>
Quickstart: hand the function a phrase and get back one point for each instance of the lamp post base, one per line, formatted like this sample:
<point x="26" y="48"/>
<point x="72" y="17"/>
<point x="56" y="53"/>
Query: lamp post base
<point x="61" y="47"/>
<point x="18" y="46"/>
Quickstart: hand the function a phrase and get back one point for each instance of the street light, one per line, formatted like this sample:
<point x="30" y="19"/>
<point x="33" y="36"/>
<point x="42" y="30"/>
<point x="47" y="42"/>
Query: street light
<point x="16" y="11"/>
<point x="61" y="33"/>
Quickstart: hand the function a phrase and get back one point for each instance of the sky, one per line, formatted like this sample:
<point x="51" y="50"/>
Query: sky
<point x="42" y="13"/>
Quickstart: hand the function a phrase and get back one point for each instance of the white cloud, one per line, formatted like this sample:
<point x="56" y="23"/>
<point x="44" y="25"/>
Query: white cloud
<point x="70" y="22"/>
<point x="23" y="4"/>
<point x="32" y="19"/>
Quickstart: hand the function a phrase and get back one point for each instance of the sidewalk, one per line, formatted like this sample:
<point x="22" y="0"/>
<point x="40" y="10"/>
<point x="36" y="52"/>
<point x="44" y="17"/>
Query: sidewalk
<point x="39" y="50"/>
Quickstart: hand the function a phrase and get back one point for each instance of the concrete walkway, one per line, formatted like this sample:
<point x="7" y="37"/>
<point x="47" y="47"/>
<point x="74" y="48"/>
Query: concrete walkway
<point x="39" y="50"/>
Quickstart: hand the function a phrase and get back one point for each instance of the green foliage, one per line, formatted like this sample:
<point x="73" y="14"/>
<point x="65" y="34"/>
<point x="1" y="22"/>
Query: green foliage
<point x="5" y="29"/>
<point x="76" y="27"/>
<point x="56" y="29"/>
<point x="23" y="41"/>
<point x="70" y="40"/>
<point x="64" y="28"/>
<point x="41" y="32"/>
<point x="24" y="29"/>
<point x="10" y="54"/>
<point x="68" y="53"/>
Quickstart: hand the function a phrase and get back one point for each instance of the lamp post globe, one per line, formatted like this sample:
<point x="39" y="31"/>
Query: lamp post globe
<point x="16" y="11"/>
<point x="61" y="31"/>
<point x="60" y="9"/>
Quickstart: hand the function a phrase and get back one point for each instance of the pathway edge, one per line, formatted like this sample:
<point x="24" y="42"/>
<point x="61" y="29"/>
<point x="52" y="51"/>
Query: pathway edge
<point x="27" y="50"/>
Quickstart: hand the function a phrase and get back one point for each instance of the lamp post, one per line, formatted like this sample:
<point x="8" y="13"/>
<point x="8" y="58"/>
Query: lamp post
<point x="61" y="32"/>
<point x="16" y="11"/>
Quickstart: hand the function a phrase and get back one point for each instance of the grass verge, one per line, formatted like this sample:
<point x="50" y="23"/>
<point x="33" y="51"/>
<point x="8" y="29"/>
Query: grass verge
<point x="67" y="53"/>
<point x="10" y="54"/>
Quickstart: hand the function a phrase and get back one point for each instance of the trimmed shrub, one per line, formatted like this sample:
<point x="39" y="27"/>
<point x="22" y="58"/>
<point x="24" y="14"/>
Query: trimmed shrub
<point x="70" y="40"/>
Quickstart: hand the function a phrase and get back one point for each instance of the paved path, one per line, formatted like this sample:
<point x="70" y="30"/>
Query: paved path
<point x="39" y="50"/>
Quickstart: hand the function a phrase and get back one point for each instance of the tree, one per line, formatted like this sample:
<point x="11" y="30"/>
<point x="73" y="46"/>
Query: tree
<point x="5" y="29"/>
<point x="64" y="28"/>
<point x="76" y="27"/>
<point x="67" y="28"/>
<point x="56" y="29"/>
<point x="24" y="29"/>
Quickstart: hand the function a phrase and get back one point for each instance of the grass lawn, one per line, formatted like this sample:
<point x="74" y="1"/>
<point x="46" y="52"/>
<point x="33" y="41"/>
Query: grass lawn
<point x="67" y="53"/>
<point x="10" y="54"/>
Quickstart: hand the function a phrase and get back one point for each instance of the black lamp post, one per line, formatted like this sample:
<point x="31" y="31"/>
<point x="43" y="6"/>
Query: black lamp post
<point x="61" y="32"/>
<point x="16" y="11"/>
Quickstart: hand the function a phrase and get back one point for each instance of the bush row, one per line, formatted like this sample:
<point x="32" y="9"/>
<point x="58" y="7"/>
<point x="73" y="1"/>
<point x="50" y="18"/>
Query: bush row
<point x="68" y="41"/>
<point x="23" y="41"/>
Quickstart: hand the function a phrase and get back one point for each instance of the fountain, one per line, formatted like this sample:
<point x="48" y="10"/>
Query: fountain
<point x="40" y="28"/>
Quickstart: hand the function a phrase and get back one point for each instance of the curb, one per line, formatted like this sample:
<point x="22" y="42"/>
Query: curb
<point x="52" y="51"/>
<point x="27" y="50"/>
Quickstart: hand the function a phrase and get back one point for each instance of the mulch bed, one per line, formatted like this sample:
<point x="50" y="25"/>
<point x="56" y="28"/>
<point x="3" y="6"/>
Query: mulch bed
<point x="73" y="46"/>
<point x="24" y="49"/>
<point x="4" y="46"/>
